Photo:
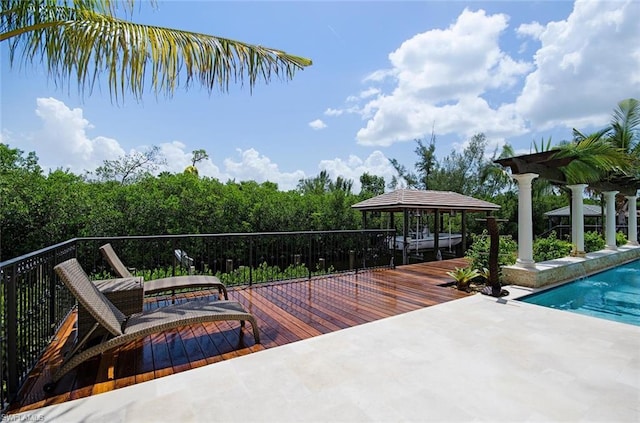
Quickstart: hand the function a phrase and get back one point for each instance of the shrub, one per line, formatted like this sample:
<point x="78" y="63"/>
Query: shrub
<point x="478" y="253"/>
<point x="621" y="238"/>
<point x="593" y="241"/>
<point x="463" y="276"/>
<point x="550" y="248"/>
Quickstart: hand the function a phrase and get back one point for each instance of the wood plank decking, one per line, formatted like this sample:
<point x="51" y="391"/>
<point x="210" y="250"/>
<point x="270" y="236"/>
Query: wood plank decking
<point x="286" y="312"/>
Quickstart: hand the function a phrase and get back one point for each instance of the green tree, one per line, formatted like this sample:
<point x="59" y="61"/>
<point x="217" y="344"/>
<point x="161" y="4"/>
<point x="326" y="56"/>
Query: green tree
<point x="131" y="167"/>
<point x="427" y="162"/>
<point x="316" y="185"/>
<point x="410" y="178"/>
<point x="461" y="171"/>
<point x="79" y="39"/>
<point x="197" y="156"/>
<point x="13" y="159"/>
<point x="341" y="184"/>
<point x="371" y="185"/>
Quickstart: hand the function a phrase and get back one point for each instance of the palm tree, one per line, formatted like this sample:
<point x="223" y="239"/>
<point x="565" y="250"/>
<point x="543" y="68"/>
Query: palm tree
<point x="613" y="150"/>
<point x="593" y="158"/>
<point x="624" y="131"/>
<point x="80" y="39"/>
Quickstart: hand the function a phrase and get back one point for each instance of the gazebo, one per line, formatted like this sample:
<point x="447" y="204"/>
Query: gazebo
<point x="560" y="218"/>
<point x="407" y="201"/>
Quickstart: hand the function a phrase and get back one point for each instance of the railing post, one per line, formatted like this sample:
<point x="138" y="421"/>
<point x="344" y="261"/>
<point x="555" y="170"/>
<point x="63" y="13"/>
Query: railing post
<point x="52" y="297"/>
<point x="173" y="249"/>
<point x="363" y="236"/>
<point x="250" y="260"/>
<point x="12" y="335"/>
<point x="310" y="257"/>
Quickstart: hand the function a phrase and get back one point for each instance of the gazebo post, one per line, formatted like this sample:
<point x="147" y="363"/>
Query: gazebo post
<point x="436" y="232"/>
<point x="632" y="221"/>
<point x="405" y="235"/>
<point x="464" y="232"/>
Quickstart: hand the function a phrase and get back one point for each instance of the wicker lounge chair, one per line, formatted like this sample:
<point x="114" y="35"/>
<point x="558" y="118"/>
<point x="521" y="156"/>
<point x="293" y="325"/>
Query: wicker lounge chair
<point x="165" y="284"/>
<point x="123" y="329"/>
<point x="183" y="258"/>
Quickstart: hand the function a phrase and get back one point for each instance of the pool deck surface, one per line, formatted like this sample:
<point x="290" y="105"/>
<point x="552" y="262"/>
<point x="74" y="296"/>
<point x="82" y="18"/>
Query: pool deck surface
<point x="477" y="359"/>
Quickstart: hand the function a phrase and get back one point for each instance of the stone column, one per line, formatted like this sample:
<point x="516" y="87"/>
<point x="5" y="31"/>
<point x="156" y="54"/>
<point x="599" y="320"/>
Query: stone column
<point x="632" y="221"/>
<point x="610" y="216"/>
<point x="525" y="220"/>
<point x="577" y="218"/>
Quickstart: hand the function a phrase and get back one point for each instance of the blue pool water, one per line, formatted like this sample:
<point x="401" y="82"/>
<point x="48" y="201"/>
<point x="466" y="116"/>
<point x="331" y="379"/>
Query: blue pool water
<point x="613" y="294"/>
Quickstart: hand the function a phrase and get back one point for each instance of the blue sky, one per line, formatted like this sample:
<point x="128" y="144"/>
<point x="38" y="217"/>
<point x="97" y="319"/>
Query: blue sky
<point x="383" y="74"/>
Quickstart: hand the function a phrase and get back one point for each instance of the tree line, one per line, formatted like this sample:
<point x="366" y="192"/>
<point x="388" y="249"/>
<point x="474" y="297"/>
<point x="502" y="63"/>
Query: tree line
<point x="123" y="197"/>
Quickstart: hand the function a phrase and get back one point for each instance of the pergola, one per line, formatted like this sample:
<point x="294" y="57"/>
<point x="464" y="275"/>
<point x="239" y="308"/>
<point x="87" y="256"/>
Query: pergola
<point x="408" y="200"/>
<point x="526" y="168"/>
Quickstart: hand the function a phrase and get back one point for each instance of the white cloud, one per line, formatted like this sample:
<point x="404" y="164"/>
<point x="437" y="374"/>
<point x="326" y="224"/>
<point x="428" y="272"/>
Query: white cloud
<point x="353" y="167"/>
<point x="317" y="124"/>
<point x="369" y="92"/>
<point x="441" y="77"/>
<point x="62" y="141"/>
<point x="585" y="65"/>
<point x="458" y="80"/>
<point x="347" y="110"/>
<point x="256" y="167"/>
<point x="333" y="112"/>
<point x="379" y="75"/>
<point x="533" y="29"/>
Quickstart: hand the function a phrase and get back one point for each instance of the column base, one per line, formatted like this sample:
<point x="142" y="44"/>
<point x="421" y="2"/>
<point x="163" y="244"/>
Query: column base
<point x="633" y="243"/>
<point x="578" y="254"/>
<point x="611" y="247"/>
<point x="525" y="263"/>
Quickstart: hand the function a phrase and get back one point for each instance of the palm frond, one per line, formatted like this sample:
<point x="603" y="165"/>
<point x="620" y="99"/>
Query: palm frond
<point x="83" y="39"/>
<point x="593" y="157"/>
<point x="625" y="125"/>
<point x="579" y="136"/>
<point x="544" y="146"/>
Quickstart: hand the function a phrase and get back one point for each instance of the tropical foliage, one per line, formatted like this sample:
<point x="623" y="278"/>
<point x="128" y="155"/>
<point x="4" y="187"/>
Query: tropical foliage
<point x="613" y="150"/>
<point x="550" y="248"/>
<point x="593" y="241"/>
<point x="463" y="276"/>
<point x="78" y="40"/>
<point x="478" y="253"/>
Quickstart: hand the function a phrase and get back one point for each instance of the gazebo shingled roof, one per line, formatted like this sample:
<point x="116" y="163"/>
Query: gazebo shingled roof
<point x="589" y="210"/>
<point x="403" y="199"/>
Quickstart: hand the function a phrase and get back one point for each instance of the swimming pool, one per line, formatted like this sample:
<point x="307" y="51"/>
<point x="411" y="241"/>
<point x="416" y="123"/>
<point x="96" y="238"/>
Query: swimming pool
<point x="613" y="294"/>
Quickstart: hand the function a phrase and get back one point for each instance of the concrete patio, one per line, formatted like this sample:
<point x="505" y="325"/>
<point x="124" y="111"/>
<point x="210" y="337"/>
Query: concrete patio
<point x="477" y="359"/>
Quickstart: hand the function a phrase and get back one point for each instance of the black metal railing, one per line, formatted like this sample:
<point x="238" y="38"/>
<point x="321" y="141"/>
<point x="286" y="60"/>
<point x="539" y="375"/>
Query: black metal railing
<point x="564" y="231"/>
<point x="33" y="302"/>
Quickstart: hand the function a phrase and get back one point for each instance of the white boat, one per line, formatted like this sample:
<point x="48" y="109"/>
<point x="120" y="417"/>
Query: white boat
<point x="425" y="242"/>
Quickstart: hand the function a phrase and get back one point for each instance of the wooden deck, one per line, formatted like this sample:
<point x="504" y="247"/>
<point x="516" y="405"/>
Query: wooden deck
<point x="286" y="312"/>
